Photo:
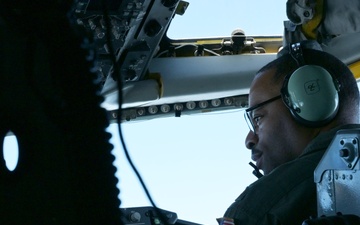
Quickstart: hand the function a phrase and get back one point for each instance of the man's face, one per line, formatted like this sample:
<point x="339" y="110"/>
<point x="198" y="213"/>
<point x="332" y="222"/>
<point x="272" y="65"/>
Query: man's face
<point x="278" y="137"/>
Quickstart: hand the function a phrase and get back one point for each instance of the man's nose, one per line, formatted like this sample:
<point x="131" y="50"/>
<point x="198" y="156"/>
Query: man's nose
<point x="251" y="140"/>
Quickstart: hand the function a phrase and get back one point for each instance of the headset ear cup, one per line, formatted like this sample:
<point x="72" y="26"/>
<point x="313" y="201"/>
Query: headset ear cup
<point x="311" y="94"/>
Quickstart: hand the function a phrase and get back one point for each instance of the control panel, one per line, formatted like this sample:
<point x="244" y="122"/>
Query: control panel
<point x="151" y="216"/>
<point x="130" y="29"/>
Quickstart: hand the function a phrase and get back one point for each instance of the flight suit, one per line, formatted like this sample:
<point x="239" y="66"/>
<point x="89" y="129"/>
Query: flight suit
<point x="288" y="194"/>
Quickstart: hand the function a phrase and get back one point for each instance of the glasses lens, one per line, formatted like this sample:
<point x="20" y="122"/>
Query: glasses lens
<point x="249" y="120"/>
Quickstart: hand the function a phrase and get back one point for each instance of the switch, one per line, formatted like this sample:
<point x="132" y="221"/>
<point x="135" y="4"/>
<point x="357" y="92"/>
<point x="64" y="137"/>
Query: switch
<point x="169" y="3"/>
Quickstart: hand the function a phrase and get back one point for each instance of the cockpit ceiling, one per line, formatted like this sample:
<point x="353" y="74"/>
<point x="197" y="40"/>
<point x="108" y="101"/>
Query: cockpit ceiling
<point x="157" y="70"/>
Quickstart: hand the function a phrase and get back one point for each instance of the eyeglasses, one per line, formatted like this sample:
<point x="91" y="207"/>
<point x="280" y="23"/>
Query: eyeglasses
<point x="252" y="124"/>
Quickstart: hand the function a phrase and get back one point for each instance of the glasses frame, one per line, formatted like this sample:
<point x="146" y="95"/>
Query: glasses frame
<point x="248" y="117"/>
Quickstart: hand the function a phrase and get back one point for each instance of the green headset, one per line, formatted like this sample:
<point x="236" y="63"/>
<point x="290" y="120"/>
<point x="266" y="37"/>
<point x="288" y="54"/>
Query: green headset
<point x="310" y="92"/>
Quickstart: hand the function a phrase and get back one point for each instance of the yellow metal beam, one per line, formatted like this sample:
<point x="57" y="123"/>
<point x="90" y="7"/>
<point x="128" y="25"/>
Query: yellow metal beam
<point x="309" y="28"/>
<point x="355" y="69"/>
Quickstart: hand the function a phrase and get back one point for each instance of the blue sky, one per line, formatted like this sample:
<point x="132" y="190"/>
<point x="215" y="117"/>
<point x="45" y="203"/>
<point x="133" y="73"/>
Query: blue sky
<point x="221" y="17"/>
<point x="194" y="165"/>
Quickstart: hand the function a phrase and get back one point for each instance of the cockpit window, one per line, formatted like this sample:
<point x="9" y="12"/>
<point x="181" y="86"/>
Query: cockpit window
<point x="196" y="166"/>
<point x="219" y="18"/>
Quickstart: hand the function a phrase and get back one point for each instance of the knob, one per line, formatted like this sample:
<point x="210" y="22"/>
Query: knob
<point x="344" y="153"/>
<point x="135" y="217"/>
